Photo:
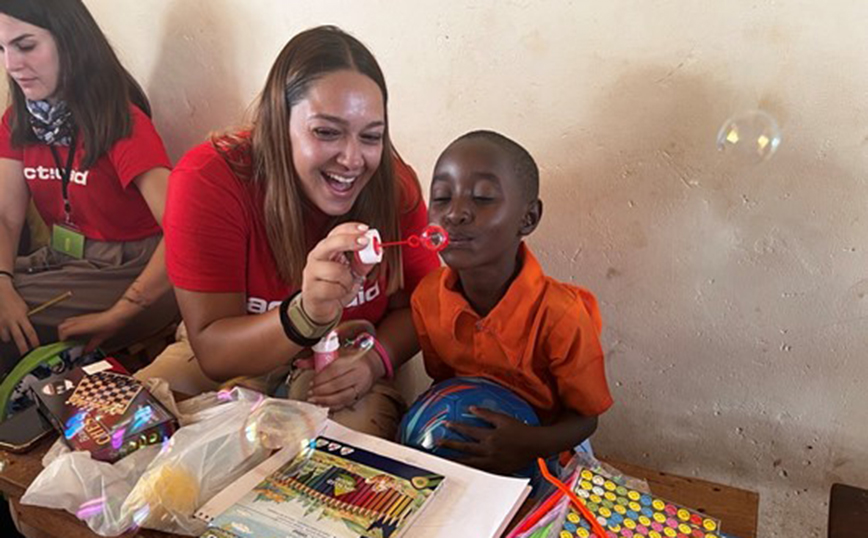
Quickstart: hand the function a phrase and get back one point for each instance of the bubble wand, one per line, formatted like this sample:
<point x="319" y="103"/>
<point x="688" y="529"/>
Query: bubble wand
<point x="433" y="238"/>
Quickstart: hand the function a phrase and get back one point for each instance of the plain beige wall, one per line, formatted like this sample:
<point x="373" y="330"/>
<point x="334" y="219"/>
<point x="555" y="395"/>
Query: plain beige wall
<point x="734" y="296"/>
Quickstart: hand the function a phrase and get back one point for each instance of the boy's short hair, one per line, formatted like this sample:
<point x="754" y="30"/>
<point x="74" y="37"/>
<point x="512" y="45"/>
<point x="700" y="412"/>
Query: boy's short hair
<point x="523" y="165"/>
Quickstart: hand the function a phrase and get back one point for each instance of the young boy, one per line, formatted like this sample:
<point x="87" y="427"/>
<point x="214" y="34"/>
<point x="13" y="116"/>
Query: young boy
<point x="493" y="313"/>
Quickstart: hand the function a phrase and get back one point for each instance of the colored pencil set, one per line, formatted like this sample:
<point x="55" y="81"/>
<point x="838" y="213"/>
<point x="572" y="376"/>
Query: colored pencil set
<point x="343" y="490"/>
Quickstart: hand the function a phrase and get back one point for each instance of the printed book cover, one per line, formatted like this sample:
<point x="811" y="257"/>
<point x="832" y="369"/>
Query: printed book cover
<point x="109" y="414"/>
<point x="331" y="490"/>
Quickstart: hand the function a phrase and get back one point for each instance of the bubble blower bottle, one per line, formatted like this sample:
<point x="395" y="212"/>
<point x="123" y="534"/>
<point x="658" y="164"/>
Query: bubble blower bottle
<point x="433" y="238"/>
<point x="325" y="351"/>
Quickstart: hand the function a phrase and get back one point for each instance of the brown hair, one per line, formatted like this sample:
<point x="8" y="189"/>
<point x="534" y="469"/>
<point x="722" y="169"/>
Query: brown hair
<point x="92" y="81"/>
<point x="306" y="58"/>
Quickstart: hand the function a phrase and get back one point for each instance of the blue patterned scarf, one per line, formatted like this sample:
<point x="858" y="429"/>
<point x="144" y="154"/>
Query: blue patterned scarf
<point x="52" y="124"/>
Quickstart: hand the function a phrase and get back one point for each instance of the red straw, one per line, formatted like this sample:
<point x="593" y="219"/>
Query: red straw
<point x="586" y="513"/>
<point x="534" y="517"/>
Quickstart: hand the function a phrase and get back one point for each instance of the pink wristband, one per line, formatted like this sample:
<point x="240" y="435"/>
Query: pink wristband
<point x="387" y="362"/>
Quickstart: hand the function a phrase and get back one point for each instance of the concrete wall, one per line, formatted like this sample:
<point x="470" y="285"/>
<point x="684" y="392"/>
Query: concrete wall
<point x="734" y="295"/>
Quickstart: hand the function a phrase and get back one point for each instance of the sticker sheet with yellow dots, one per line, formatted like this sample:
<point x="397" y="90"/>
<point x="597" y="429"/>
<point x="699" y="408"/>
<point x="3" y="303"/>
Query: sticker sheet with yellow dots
<point x="627" y="513"/>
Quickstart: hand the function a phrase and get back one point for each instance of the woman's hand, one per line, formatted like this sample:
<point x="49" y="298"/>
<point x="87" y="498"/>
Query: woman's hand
<point x="504" y="449"/>
<point x="347" y="379"/>
<point x="99" y="326"/>
<point x="14" y="323"/>
<point x="329" y="280"/>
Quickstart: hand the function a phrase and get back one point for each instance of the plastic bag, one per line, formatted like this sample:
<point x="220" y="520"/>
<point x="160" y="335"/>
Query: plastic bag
<point x="223" y="435"/>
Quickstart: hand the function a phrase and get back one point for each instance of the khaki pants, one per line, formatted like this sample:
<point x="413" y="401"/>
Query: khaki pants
<point x="376" y="413"/>
<point x="97" y="282"/>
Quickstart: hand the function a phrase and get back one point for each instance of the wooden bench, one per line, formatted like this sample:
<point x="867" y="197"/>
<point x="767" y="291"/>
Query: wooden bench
<point x="737" y="508"/>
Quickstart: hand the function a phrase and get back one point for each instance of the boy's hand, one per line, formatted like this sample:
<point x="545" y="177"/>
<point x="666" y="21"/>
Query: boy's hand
<point x="504" y="449"/>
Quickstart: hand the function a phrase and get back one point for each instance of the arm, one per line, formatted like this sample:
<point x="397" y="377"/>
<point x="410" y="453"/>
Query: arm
<point x="153" y="282"/>
<point x="344" y="381"/>
<point x="229" y="343"/>
<point x="14" y="197"/>
<point x="512" y="445"/>
<point x="150" y="285"/>
<point x="575" y="360"/>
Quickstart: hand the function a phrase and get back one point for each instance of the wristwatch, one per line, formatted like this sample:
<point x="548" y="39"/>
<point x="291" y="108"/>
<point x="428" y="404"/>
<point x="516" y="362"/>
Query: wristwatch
<point x="297" y="324"/>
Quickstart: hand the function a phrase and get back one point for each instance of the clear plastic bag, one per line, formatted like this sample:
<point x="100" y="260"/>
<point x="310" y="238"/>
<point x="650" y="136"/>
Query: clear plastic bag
<point x="223" y="435"/>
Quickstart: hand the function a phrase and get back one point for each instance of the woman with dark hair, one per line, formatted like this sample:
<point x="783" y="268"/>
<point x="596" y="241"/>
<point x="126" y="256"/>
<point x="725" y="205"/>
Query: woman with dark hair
<point x="258" y="224"/>
<point x="77" y="140"/>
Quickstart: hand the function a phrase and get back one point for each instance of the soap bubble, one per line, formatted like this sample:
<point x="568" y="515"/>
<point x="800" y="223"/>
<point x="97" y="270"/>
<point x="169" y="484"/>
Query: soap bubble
<point x="751" y="136"/>
<point x="435" y="238"/>
<point x="364" y="342"/>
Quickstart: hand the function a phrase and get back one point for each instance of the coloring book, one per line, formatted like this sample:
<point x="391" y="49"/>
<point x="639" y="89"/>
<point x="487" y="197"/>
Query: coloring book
<point x="331" y="490"/>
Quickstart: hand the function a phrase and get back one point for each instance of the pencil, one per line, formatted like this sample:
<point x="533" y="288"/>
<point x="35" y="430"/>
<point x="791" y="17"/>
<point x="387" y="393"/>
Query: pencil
<point x="371" y="501"/>
<point x="392" y="516"/>
<point x="387" y="499"/>
<point x="360" y="501"/>
<point x="359" y="484"/>
<point x="49" y="303"/>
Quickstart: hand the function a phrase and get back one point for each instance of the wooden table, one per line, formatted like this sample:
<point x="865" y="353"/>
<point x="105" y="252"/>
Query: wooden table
<point x="848" y="511"/>
<point x="737" y="508"/>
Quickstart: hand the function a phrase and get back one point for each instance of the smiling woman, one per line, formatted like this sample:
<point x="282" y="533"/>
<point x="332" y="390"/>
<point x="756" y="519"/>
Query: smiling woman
<point x="77" y="140"/>
<point x="259" y="223"/>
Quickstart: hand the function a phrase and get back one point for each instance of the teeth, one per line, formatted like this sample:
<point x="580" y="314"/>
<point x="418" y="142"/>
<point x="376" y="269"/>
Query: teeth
<point x="341" y="179"/>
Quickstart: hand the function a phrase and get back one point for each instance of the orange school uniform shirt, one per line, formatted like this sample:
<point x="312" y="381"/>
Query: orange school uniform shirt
<point x="542" y="340"/>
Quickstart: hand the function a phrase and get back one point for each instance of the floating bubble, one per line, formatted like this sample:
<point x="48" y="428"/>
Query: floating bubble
<point x="751" y="136"/>
<point x="364" y="342"/>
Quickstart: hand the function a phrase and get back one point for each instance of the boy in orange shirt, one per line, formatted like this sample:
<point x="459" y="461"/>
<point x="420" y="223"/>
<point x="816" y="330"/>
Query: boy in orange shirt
<point x="493" y="313"/>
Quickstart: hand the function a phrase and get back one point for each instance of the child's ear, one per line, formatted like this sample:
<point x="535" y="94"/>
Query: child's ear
<point x="531" y="218"/>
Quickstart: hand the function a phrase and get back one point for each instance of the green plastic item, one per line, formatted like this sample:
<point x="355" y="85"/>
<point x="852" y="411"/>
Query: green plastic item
<point x="48" y="355"/>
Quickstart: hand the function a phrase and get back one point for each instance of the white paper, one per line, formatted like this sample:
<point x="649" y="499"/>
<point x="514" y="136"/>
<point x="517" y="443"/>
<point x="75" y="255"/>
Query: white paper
<point x="469" y="503"/>
<point x="97" y="367"/>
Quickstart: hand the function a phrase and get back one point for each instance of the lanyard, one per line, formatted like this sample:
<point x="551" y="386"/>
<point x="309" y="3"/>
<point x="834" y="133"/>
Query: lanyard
<point x="65" y="174"/>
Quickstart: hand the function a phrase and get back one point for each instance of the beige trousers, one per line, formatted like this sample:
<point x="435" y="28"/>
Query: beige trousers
<point x="97" y="282"/>
<point x="376" y="413"/>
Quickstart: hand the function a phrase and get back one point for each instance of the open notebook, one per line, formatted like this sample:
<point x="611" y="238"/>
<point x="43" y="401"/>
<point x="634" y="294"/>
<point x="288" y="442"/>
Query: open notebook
<point x="468" y="502"/>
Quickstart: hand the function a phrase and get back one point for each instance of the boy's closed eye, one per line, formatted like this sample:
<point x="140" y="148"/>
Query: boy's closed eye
<point x="440" y="195"/>
<point x="486" y="192"/>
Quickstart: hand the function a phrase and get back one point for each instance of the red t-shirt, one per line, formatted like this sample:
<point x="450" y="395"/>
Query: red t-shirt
<point x="216" y="239"/>
<point x="104" y="205"/>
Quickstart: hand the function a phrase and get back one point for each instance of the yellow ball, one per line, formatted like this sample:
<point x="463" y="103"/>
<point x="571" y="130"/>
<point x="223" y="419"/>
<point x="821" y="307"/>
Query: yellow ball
<point x="163" y="492"/>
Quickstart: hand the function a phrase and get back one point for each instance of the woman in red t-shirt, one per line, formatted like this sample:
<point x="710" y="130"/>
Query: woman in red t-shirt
<point x="259" y="223"/>
<point x="77" y="141"/>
